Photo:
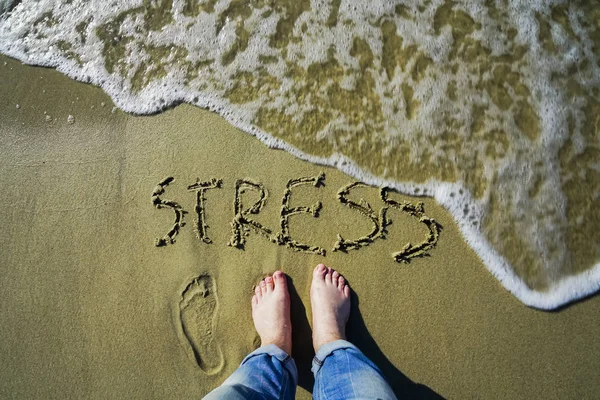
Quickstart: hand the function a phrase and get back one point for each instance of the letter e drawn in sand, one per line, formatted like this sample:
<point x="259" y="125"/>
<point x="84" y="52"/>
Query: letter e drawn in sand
<point x="242" y="224"/>
<point x="200" y="188"/>
<point x="418" y="211"/>
<point x="379" y="220"/>
<point x="179" y="212"/>
<point x="198" y="314"/>
<point x="284" y="238"/>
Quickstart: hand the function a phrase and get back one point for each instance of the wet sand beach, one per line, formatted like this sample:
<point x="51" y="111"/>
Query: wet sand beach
<point x="92" y="308"/>
<point x="489" y="107"/>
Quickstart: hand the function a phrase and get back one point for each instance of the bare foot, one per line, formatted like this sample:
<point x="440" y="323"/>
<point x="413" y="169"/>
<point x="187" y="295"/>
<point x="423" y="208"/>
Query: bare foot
<point x="271" y="312"/>
<point x="330" y="300"/>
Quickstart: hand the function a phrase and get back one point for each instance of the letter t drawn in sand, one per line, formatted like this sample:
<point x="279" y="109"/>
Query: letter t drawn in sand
<point x="242" y="224"/>
<point x="200" y="188"/>
<point x="284" y="238"/>
<point x="179" y="212"/>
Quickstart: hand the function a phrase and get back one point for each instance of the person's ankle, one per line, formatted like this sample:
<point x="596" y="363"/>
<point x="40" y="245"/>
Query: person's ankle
<point x="326" y="338"/>
<point x="282" y="344"/>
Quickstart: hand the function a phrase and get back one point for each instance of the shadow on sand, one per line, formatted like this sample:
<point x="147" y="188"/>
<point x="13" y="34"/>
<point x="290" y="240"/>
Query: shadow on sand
<point x="358" y="334"/>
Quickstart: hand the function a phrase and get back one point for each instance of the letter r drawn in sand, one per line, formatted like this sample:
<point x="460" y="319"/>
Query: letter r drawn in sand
<point x="242" y="224"/>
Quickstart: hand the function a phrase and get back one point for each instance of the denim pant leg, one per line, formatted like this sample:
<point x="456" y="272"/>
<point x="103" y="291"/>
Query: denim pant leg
<point x="268" y="373"/>
<point x="342" y="371"/>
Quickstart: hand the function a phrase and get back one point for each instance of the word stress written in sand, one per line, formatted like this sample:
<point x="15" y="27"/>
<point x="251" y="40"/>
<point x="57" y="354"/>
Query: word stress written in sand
<point x="243" y="224"/>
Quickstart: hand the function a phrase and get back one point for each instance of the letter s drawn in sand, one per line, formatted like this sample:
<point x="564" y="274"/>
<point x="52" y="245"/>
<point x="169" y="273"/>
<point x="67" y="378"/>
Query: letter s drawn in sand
<point x="379" y="220"/>
<point x="179" y="212"/>
<point x="418" y="211"/>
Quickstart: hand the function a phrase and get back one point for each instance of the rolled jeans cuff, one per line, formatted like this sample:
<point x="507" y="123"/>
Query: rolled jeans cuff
<point x="326" y="350"/>
<point x="286" y="360"/>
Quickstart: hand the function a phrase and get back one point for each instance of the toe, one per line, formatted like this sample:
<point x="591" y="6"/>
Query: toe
<point x="334" y="278"/>
<point x="279" y="280"/>
<point x="341" y="283"/>
<point x="320" y="271"/>
<point x="263" y="287"/>
<point x="347" y="291"/>
<point x="328" y="275"/>
<point x="269" y="283"/>
<point x="257" y="292"/>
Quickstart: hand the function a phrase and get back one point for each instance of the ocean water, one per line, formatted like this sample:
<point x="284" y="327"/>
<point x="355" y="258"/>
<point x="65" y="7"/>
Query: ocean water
<point x="491" y="107"/>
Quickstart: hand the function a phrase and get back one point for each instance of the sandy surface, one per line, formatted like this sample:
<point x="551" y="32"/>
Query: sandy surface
<point x="91" y="308"/>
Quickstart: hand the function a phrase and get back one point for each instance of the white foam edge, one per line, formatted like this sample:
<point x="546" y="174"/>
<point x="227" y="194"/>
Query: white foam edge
<point x="566" y="290"/>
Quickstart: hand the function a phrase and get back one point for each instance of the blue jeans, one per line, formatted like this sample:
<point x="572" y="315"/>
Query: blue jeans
<point x="341" y="371"/>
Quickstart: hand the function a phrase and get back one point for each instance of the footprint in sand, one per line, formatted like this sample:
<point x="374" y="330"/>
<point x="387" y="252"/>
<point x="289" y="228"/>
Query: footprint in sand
<point x="198" y="317"/>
